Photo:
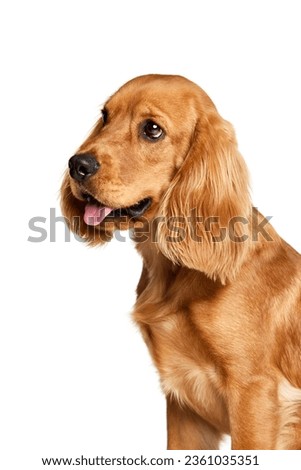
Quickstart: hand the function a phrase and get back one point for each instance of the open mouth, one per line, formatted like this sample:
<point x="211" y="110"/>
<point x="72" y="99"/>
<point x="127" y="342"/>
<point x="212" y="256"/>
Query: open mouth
<point x="95" y="212"/>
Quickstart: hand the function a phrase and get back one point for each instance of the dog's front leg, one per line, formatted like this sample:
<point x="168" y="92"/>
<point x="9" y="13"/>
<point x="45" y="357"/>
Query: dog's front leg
<point x="253" y="412"/>
<point x="186" y="430"/>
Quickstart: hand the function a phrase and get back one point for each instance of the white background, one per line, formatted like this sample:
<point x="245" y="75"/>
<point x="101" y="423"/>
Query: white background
<point x="76" y="377"/>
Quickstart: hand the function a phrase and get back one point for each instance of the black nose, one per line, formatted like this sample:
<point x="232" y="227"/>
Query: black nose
<point x="82" y="166"/>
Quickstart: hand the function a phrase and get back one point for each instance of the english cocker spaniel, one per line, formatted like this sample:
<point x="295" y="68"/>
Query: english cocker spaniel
<point x="219" y="298"/>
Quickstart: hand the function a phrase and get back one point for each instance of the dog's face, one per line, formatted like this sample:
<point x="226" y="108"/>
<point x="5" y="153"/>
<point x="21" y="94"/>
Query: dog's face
<point x="161" y="151"/>
<point x="121" y="172"/>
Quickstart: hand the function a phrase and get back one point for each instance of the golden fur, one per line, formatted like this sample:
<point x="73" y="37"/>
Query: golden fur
<point x="219" y="300"/>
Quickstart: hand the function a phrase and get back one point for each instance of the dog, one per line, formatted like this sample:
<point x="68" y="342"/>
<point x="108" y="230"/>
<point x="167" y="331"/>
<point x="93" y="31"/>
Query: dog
<point x="219" y="298"/>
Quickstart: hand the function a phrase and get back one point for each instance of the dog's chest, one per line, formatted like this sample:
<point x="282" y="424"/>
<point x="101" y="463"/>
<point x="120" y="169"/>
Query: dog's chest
<point x="185" y="370"/>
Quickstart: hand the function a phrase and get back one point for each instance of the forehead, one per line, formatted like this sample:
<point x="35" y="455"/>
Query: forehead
<point x="172" y="96"/>
<point x="164" y="94"/>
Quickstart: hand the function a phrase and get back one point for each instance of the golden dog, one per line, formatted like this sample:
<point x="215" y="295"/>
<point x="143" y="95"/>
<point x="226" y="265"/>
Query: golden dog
<point x="219" y="299"/>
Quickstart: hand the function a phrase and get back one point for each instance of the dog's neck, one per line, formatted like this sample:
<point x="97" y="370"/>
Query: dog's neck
<point x="159" y="272"/>
<point x="154" y="261"/>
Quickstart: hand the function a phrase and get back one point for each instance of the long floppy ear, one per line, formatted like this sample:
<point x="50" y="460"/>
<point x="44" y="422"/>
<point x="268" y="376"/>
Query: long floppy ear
<point x="206" y="210"/>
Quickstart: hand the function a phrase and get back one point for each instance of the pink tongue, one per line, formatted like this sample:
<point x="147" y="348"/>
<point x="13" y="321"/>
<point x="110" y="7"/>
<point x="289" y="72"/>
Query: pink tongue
<point x="94" y="215"/>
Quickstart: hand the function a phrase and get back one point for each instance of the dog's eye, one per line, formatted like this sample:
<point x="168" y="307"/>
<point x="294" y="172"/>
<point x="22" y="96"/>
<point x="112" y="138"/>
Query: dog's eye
<point x="151" y="131"/>
<point x="104" y="115"/>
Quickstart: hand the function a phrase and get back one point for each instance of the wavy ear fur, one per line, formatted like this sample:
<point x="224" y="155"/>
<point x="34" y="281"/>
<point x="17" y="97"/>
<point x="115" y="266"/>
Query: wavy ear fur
<point x="207" y="209"/>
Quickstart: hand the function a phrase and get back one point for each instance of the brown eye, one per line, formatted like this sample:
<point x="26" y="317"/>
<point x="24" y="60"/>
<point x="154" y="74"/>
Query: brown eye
<point x="151" y="131"/>
<point x="104" y="115"/>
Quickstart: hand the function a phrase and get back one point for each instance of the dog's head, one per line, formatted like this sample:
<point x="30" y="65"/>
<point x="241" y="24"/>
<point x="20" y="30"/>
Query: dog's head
<point x="160" y="150"/>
